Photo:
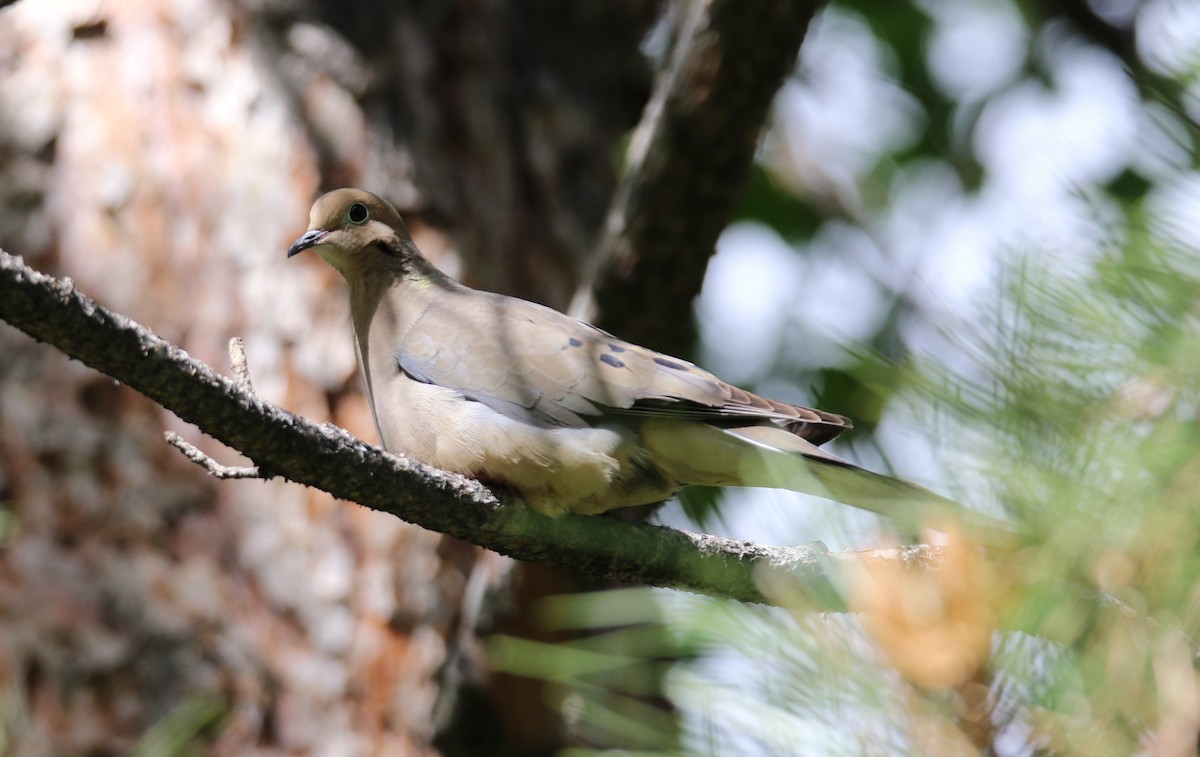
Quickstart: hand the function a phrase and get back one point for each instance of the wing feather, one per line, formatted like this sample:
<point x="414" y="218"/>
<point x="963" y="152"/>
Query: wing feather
<point x="546" y="368"/>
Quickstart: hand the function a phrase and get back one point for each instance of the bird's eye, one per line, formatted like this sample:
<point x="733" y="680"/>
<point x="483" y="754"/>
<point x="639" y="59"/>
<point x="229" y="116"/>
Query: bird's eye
<point x="358" y="213"/>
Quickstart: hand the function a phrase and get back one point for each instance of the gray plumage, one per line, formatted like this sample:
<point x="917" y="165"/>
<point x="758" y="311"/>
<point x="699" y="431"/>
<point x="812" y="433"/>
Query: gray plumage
<point x="567" y="416"/>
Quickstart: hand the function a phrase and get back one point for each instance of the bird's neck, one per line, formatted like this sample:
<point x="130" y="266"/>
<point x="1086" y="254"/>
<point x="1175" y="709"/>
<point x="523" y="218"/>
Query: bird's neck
<point x="384" y="305"/>
<point x="388" y="281"/>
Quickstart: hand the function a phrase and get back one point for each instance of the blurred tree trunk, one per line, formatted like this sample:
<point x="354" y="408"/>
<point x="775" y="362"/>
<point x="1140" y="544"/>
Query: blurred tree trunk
<point x="164" y="154"/>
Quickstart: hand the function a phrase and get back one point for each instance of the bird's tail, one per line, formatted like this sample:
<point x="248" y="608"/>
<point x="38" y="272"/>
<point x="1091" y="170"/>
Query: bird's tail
<point x="770" y="456"/>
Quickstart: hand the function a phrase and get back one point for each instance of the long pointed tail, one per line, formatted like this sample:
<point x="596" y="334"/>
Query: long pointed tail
<point x="772" y="457"/>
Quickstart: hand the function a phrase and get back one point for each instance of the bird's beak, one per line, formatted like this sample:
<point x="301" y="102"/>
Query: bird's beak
<point x="311" y="238"/>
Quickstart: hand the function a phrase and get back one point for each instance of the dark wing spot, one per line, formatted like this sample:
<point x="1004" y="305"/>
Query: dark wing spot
<point x="665" y="363"/>
<point x="92" y="30"/>
<point x="574" y="342"/>
<point x="610" y="360"/>
<point x="615" y="347"/>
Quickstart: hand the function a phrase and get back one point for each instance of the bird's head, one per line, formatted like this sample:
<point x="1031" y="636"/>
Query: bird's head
<point x="354" y="231"/>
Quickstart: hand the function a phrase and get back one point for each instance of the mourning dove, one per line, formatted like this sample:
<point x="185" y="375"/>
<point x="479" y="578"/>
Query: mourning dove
<point x="567" y="416"/>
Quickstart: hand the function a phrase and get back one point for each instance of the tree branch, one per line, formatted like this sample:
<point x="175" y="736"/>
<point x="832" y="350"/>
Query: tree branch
<point x="330" y="459"/>
<point x="689" y="160"/>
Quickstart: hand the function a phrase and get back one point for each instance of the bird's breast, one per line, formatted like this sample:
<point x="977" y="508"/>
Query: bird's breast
<point x="553" y="469"/>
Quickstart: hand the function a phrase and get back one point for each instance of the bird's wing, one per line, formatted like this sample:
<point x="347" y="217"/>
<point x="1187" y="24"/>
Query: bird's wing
<point x="528" y="361"/>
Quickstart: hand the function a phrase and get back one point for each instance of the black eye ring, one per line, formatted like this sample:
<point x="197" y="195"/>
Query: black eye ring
<point x="358" y="213"/>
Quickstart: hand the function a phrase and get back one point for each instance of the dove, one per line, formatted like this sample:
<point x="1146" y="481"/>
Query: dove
<point x="563" y="414"/>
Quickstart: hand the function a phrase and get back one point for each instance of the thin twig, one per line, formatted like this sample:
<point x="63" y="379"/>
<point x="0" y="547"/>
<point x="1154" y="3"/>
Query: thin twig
<point x="241" y="369"/>
<point x="199" y="457"/>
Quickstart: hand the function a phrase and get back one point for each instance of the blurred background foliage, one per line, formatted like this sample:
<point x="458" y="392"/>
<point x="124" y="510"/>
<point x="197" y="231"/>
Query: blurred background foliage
<point x="975" y="224"/>
<point x="971" y="226"/>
